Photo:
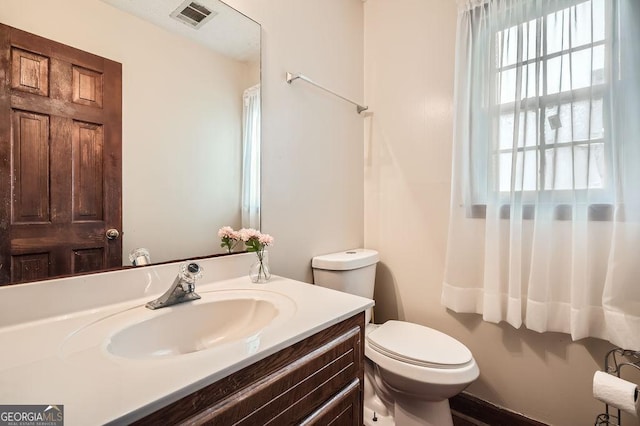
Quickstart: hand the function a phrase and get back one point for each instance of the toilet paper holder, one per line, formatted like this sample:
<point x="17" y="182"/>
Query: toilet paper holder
<point x="614" y="361"/>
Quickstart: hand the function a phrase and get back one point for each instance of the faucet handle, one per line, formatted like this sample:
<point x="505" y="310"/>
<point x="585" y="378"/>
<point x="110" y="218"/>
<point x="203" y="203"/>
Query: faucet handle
<point x="140" y="256"/>
<point x="190" y="271"/>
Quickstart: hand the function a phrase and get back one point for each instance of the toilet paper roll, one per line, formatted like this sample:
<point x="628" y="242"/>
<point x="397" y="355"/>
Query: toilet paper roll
<point x="616" y="392"/>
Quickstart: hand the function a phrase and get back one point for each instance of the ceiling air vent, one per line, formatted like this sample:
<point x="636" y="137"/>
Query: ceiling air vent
<point x="193" y="14"/>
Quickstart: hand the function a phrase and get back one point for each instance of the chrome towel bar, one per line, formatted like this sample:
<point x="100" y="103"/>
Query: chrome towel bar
<point x="291" y="77"/>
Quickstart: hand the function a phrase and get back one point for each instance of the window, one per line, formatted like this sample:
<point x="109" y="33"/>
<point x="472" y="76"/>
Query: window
<point x="251" y="138"/>
<point x="550" y="96"/>
<point x="545" y="212"/>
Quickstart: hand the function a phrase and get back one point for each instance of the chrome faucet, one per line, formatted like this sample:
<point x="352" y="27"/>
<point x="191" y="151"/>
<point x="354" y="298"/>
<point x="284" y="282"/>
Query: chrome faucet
<point x="182" y="289"/>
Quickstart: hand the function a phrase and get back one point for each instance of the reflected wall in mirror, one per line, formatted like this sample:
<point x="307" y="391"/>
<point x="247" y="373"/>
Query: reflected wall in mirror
<point x="190" y="114"/>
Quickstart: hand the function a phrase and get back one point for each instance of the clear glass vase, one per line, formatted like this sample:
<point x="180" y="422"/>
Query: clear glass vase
<point x="259" y="271"/>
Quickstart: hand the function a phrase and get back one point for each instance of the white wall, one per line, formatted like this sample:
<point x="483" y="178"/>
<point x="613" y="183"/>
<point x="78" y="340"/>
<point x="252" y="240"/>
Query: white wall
<point x="409" y="68"/>
<point x="312" y="163"/>
<point x="182" y="109"/>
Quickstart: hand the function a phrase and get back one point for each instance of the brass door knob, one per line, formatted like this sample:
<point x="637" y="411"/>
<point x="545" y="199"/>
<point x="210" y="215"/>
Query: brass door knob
<point x="112" y="234"/>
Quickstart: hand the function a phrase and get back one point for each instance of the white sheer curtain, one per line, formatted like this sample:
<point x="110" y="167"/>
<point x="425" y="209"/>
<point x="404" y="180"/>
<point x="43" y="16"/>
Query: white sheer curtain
<point x="251" y="158"/>
<point x="545" y="212"/>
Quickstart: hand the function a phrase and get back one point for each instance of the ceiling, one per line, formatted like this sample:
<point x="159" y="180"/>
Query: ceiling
<point x="229" y="32"/>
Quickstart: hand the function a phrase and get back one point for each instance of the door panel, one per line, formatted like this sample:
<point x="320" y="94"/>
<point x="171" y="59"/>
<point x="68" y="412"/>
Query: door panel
<point x="87" y="260"/>
<point x="87" y="87"/>
<point x="29" y="72"/>
<point x="87" y="146"/>
<point x="60" y="159"/>
<point x="30" y="147"/>
<point x="29" y="267"/>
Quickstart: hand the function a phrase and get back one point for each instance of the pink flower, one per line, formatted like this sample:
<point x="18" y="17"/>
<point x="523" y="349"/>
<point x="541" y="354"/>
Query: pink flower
<point x="228" y="232"/>
<point x="253" y="239"/>
<point x="247" y="234"/>
<point x="229" y="238"/>
<point x="265" y="239"/>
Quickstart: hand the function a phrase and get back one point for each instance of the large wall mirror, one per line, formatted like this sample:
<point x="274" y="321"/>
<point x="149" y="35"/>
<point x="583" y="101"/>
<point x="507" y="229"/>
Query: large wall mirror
<point x="190" y="112"/>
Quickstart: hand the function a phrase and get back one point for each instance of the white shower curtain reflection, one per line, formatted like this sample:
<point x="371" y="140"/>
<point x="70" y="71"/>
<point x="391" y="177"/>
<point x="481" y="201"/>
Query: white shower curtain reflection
<point x="251" y="158"/>
<point x="545" y="213"/>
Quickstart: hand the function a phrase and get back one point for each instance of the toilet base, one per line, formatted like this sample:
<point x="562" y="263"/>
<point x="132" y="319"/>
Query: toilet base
<point x="372" y="418"/>
<point x="408" y="414"/>
<point x="384" y="407"/>
<point x="411" y="412"/>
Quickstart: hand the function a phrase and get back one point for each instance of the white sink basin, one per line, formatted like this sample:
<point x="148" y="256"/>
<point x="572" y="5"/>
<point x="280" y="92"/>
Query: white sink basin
<point x="217" y="320"/>
<point x="188" y="329"/>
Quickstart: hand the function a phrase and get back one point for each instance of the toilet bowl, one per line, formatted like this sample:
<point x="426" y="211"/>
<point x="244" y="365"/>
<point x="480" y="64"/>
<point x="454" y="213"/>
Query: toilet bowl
<point x="411" y="370"/>
<point x="420" y="369"/>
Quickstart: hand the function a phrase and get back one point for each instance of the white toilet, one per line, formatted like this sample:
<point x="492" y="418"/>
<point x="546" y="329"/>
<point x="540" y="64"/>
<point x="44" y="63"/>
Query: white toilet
<point x="411" y="371"/>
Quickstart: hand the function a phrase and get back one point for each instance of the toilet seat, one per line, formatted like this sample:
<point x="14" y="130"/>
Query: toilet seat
<point x="420" y="353"/>
<point x="418" y="345"/>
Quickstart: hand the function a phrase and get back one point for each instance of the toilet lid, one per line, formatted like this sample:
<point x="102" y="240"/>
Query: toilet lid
<point x="418" y="345"/>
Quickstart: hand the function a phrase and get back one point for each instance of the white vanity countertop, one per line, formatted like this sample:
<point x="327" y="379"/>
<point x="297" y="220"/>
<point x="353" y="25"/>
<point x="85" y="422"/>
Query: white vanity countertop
<point x="96" y="387"/>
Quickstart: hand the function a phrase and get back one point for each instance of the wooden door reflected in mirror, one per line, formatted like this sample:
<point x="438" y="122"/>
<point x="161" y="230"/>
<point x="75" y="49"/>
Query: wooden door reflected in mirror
<point x="61" y="132"/>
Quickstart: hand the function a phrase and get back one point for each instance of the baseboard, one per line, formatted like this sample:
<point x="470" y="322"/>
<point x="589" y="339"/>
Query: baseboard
<point x="488" y="413"/>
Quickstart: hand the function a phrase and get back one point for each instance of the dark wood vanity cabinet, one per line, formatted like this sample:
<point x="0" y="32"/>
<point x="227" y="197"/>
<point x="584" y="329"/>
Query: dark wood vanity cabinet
<point x="318" y="381"/>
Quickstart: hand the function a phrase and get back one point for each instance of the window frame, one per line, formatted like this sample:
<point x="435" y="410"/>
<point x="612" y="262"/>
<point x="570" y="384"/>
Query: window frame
<point x="600" y="200"/>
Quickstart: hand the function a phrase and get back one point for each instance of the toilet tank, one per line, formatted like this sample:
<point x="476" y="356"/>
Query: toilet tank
<point x="351" y="271"/>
